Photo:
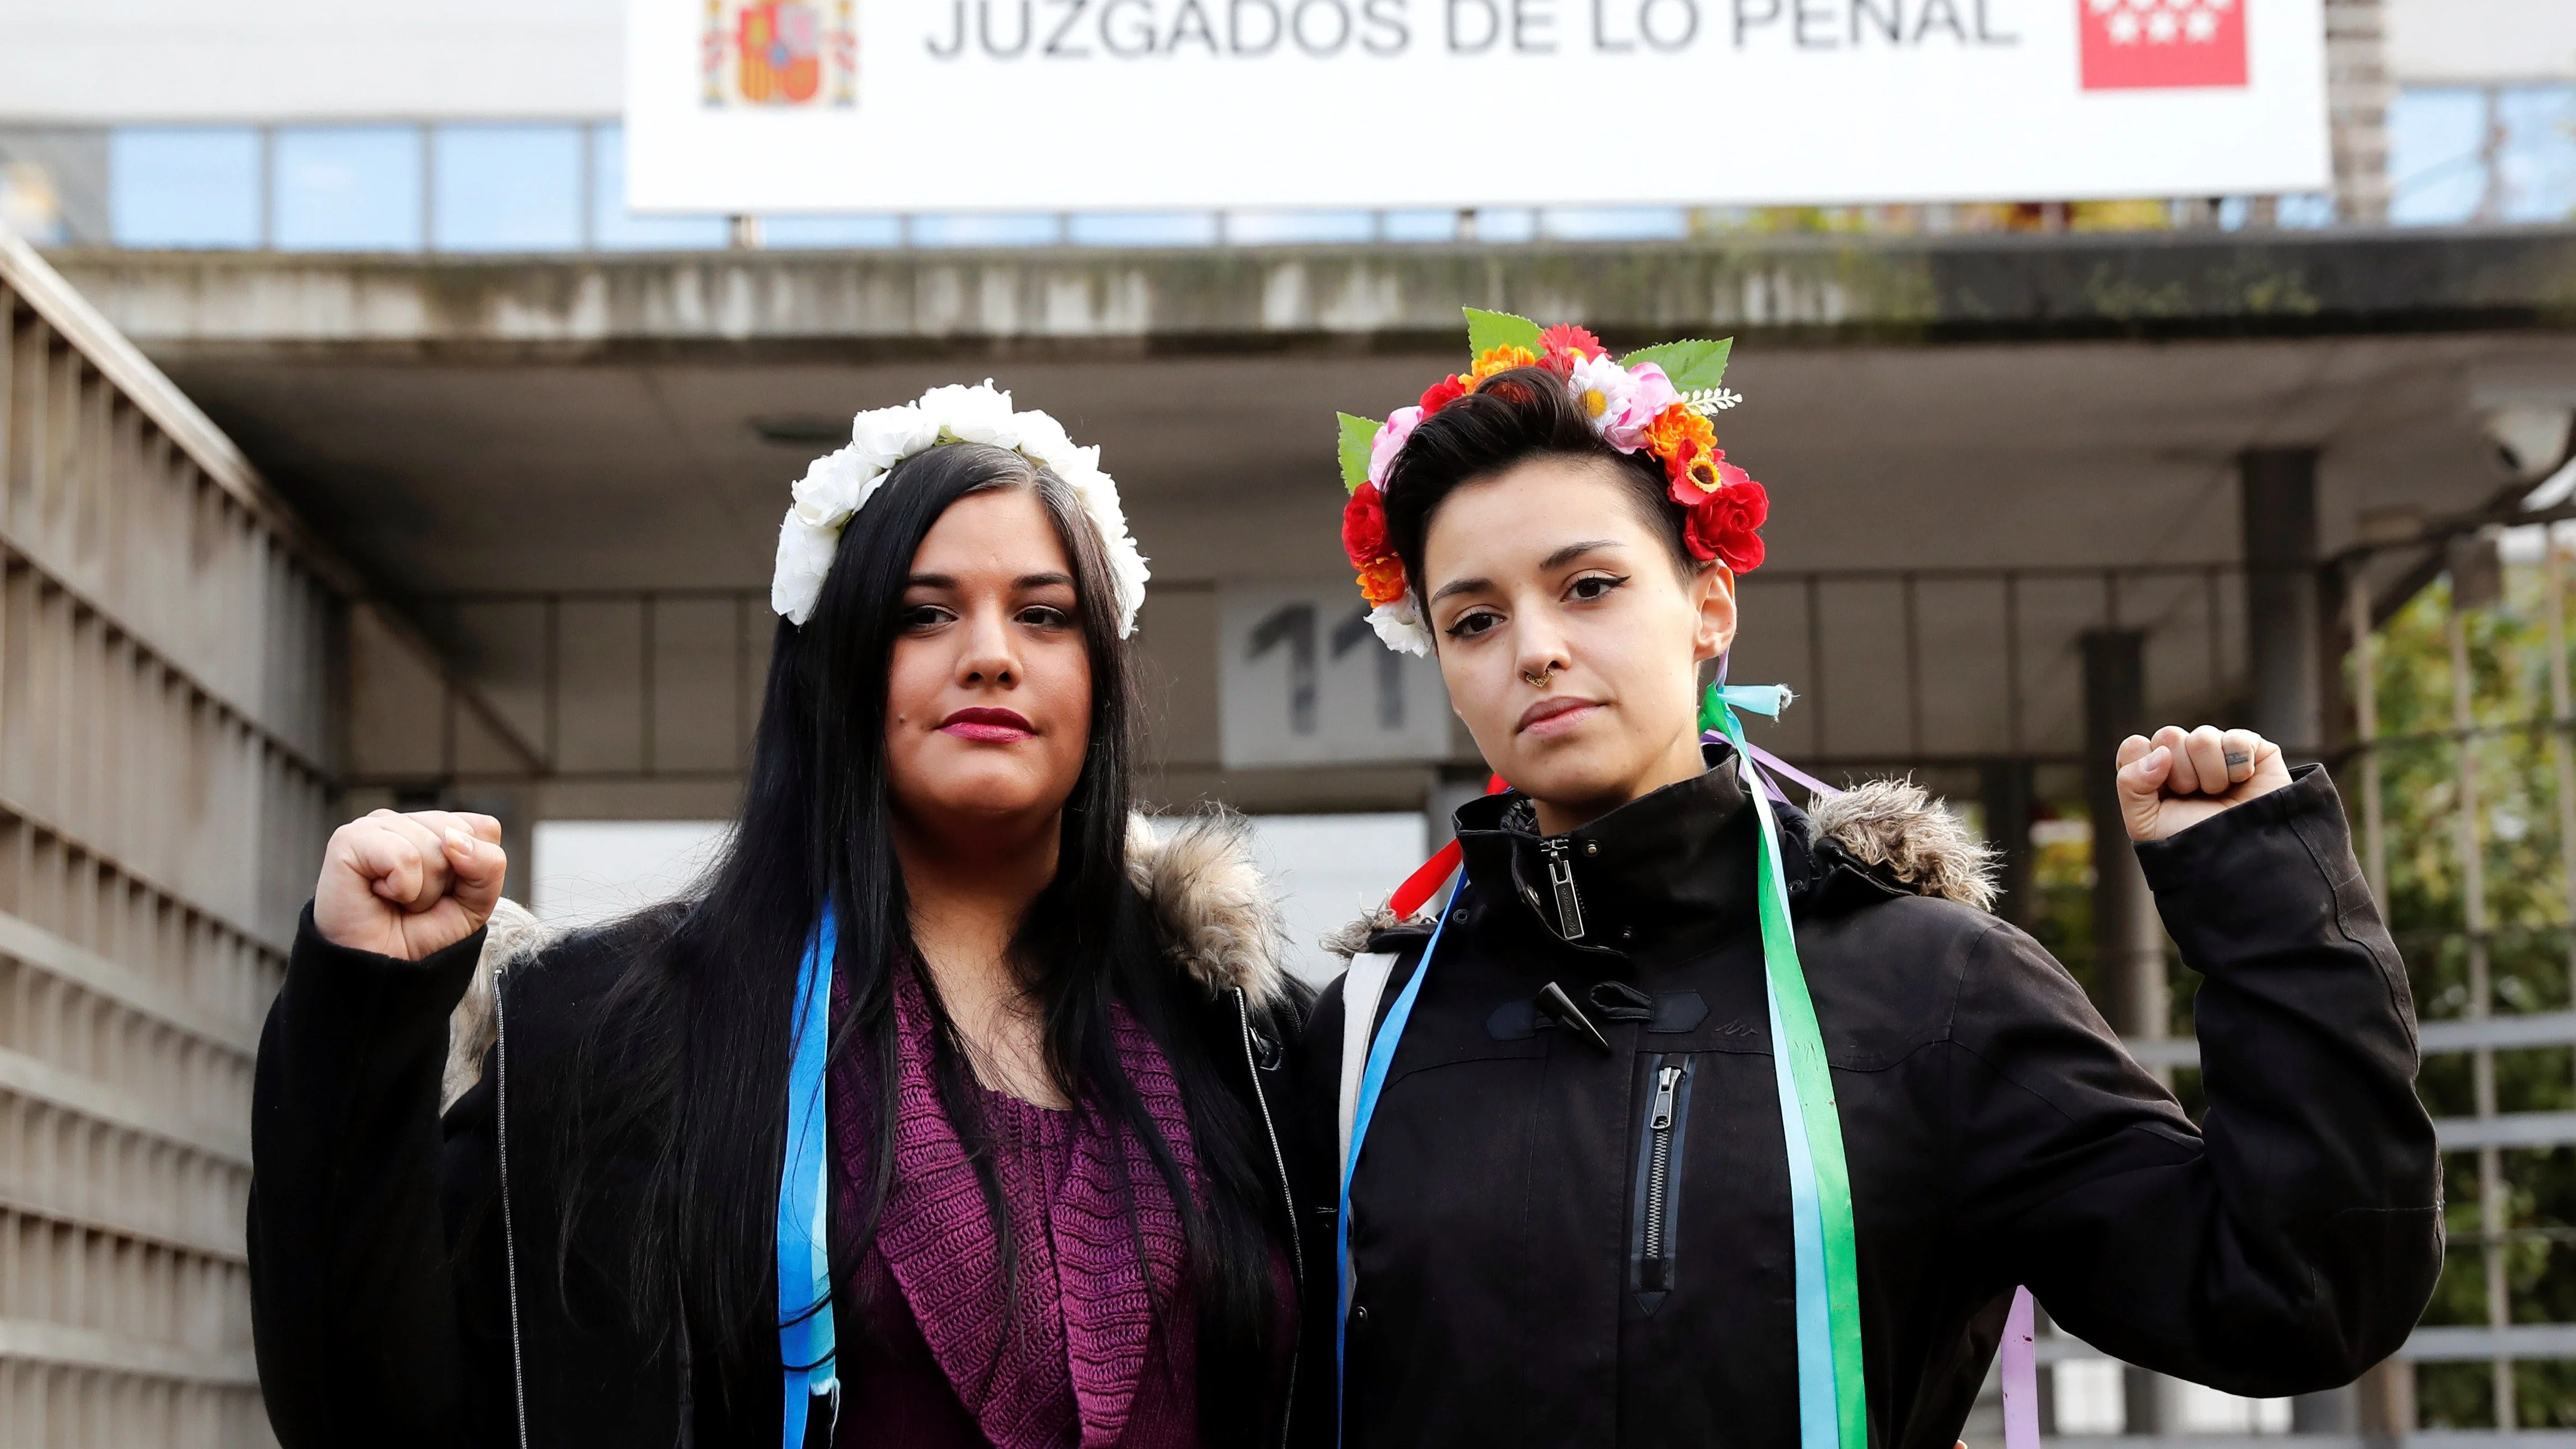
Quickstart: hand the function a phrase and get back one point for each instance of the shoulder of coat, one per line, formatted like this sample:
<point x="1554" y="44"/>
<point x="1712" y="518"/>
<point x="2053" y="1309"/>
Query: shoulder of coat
<point x="1218" y="919"/>
<point x="1896" y="826"/>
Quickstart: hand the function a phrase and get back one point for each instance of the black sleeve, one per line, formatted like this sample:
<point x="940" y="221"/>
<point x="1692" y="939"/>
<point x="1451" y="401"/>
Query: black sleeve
<point x="2292" y="1239"/>
<point x="354" y="1309"/>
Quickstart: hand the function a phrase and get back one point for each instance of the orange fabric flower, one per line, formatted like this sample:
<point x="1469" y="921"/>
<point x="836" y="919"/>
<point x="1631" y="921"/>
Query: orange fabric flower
<point x="1502" y="359"/>
<point x="1382" y="580"/>
<point x="1684" y="440"/>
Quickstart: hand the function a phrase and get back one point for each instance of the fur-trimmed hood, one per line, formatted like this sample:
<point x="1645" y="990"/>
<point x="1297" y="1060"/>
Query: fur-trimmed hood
<point x="1218" y="919"/>
<point x="1891" y="829"/>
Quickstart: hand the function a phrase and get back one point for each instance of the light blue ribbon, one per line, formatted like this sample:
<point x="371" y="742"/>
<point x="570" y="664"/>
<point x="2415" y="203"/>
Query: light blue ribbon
<point x="805" y="1339"/>
<point x="1381" y="1057"/>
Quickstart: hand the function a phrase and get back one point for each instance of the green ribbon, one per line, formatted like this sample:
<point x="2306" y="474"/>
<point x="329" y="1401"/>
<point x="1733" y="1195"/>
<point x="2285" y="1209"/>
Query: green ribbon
<point x="1833" y="1403"/>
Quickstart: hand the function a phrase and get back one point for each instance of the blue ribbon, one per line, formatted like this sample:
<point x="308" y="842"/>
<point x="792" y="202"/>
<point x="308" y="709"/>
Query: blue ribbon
<point x="1818" y="1411"/>
<point x="805" y="1340"/>
<point x="1372" y="1081"/>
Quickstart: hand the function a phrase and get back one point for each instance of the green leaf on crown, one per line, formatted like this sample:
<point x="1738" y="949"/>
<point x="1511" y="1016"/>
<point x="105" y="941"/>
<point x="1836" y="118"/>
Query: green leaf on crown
<point x="1693" y="366"/>
<point x="1489" y="330"/>
<point x="1357" y="435"/>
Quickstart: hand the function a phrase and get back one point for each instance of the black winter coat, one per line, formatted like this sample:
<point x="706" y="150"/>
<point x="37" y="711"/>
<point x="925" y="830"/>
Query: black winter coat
<point x="396" y="1299"/>
<point x="1997" y="1135"/>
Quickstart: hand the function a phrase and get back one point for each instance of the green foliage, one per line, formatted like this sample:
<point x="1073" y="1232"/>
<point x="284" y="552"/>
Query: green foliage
<point x="1357" y="434"/>
<point x="2527" y="949"/>
<point x="1693" y="365"/>
<point x="1489" y="330"/>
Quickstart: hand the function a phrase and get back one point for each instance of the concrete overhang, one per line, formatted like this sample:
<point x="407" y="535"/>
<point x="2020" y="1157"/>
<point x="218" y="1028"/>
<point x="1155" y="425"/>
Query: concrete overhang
<point x="534" y="422"/>
<point x="605" y="422"/>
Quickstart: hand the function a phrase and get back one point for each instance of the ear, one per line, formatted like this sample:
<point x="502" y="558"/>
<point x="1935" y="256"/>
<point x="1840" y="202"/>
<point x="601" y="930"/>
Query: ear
<point x="1712" y="594"/>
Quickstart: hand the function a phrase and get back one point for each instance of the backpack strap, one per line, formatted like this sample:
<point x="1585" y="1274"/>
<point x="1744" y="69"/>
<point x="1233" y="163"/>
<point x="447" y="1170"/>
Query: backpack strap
<point x="1363" y="987"/>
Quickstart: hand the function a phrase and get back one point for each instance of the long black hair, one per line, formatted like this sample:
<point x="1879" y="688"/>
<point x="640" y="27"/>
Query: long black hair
<point x="686" y="1069"/>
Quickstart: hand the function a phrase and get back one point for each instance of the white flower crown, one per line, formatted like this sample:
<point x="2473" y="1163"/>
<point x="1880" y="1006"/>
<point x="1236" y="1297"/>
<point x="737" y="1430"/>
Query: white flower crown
<point x="840" y="483"/>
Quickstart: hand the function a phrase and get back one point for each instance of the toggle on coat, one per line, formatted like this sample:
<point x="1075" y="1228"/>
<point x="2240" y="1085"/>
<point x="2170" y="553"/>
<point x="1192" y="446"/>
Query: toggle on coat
<point x="1554" y="1243"/>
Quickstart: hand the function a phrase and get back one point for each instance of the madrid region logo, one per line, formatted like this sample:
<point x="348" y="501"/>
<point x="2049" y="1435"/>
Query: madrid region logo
<point x="2144" y="44"/>
<point x="779" y="53"/>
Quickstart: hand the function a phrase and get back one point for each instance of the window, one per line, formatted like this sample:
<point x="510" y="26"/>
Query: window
<point x="831" y="231"/>
<point x="348" y="188"/>
<point x="1020" y="230"/>
<point x="506" y="188"/>
<point x="612" y="225"/>
<point x="184" y="186"/>
<point x="2439" y="167"/>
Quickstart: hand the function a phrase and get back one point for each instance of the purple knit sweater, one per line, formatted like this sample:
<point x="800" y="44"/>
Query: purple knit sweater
<point x="926" y="1361"/>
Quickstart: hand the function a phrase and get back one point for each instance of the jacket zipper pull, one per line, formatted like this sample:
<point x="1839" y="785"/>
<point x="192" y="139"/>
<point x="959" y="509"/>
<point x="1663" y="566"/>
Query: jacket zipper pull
<point x="1560" y="876"/>
<point x="1665" y="1081"/>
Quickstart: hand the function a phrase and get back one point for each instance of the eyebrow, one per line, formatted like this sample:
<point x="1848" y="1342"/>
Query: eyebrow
<point x="1024" y="581"/>
<point x="1550" y="564"/>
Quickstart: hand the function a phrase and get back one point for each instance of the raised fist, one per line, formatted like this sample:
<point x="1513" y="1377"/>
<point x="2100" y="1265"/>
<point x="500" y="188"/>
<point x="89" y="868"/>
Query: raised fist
<point x="2178" y="779"/>
<point x="408" y="886"/>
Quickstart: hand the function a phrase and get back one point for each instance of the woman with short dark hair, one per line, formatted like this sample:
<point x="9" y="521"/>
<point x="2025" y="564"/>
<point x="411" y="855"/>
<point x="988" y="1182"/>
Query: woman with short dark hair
<point x="939" y="1114"/>
<point x="1687" y="1118"/>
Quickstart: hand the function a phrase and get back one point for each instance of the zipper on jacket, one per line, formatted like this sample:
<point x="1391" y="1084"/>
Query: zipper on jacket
<point x="1560" y="878"/>
<point x="501" y="1152"/>
<point x="1659" y="1164"/>
<point x="1287" y="1199"/>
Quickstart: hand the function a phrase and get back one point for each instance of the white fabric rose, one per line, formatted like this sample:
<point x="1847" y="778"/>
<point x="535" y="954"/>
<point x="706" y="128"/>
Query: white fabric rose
<point x="1400" y="629"/>
<point x="835" y="486"/>
<point x="887" y="436"/>
<point x="839" y="484"/>
<point x="1043" y="441"/>
<point x="804" y="556"/>
<point x="978" y="414"/>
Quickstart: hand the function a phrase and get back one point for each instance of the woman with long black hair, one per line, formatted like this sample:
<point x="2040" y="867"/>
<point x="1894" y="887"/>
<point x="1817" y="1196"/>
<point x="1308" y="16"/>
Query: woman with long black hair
<point x="940" y="1114"/>
<point x="1683" y="1117"/>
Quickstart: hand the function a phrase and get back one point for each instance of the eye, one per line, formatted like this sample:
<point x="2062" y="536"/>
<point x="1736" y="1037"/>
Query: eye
<point x="917" y="617"/>
<point x="1596" y="586"/>
<point x="1472" y="623"/>
<point x="1045" y="616"/>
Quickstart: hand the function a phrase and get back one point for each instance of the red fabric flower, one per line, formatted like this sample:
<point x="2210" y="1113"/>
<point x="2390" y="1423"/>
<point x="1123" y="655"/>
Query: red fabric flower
<point x="1442" y="393"/>
<point x="1382" y="580"/>
<point x="1364" y="525"/>
<point x="1560" y="346"/>
<point x="1725" y="525"/>
<point x="1694" y="470"/>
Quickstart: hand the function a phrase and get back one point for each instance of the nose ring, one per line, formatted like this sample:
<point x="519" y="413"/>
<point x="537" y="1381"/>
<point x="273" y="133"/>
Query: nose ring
<point x="1539" y="680"/>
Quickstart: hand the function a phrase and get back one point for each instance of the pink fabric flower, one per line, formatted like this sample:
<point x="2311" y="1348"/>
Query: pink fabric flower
<point x="1651" y="393"/>
<point x="1390" y="441"/>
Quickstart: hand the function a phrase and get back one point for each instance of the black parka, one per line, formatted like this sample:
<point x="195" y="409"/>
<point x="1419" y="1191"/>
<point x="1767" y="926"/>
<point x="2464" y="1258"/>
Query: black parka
<point x="399" y="1296"/>
<point x="1996" y="1131"/>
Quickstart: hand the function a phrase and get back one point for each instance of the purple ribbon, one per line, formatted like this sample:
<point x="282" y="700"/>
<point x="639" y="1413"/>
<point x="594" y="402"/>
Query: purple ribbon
<point x="2020" y="1359"/>
<point x="2021" y="1375"/>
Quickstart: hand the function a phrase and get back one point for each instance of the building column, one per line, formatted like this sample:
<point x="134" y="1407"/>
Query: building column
<point x="2284" y="640"/>
<point x="2128" y="940"/>
<point x="2358" y="90"/>
<point x="2004" y="788"/>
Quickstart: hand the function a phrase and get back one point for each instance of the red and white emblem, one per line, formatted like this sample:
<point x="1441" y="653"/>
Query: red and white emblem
<point x="2139" y="44"/>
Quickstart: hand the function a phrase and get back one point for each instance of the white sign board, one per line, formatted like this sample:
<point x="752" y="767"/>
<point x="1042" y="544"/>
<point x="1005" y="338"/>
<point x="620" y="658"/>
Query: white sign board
<point x="1303" y="680"/>
<point x="1073" y="105"/>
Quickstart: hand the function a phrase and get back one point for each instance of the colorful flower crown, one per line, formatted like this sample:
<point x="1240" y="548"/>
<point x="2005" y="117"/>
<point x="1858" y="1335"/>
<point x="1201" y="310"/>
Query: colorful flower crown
<point x="1658" y="400"/>
<point x="840" y="483"/>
